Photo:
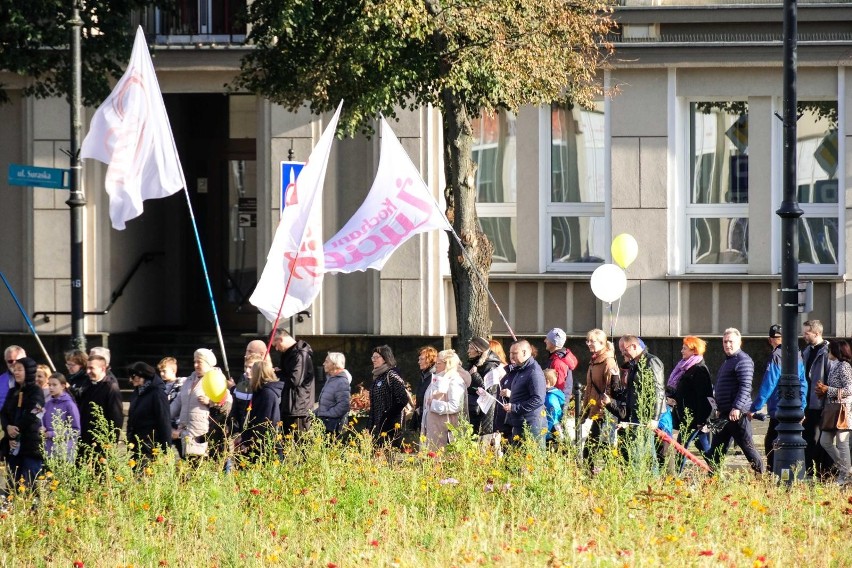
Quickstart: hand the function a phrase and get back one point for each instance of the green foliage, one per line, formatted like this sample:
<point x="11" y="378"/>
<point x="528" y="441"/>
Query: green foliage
<point x="378" y="55"/>
<point x="35" y="38"/>
<point x="340" y="504"/>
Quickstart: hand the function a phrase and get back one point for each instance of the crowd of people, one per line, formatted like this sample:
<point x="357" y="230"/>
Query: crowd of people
<point x="504" y="400"/>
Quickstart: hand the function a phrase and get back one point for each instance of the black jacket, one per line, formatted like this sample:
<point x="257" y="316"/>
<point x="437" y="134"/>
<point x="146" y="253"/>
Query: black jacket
<point x="388" y="398"/>
<point x="149" y="420"/>
<point x="627" y="401"/>
<point x="691" y="395"/>
<point x="296" y="371"/>
<point x="107" y="397"/>
<point x="264" y="416"/>
<point x="26" y="417"/>
<point x="481" y="366"/>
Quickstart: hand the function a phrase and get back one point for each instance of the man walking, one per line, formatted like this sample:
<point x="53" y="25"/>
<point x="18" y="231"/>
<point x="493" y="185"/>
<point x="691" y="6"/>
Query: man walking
<point x="733" y="401"/>
<point x="7" y="380"/>
<point x="634" y="403"/>
<point x="768" y="393"/>
<point x="815" y="357"/>
<point x="526" y="402"/>
<point x="296" y="371"/>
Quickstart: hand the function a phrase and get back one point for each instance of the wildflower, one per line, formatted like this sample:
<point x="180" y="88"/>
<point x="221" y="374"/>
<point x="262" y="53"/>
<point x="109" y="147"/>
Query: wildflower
<point x="705" y="553"/>
<point x="148" y="471"/>
<point x="516" y="437"/>
<point x="161" y="519"/>
<point x="592" y="402"/>
<point x="78" y="564"/>
<point x="396" y="426"/>
<point x="155" y="451"/>
<point x="432" y="455"/>
<point x="374" y="543"/>
<point x="131" y="463"/>
<point x="449" y="481"/>
<point x="384" y="434"/>
<point x="254" y="491"/>
<point x="333" y="500"/>
<point x="163" y="563"/>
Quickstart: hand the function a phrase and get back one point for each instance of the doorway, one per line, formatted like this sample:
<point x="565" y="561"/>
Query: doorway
<point x="215" y="138"/>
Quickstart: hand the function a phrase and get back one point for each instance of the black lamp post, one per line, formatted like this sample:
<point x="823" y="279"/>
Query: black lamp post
<point x="789" y="461"/>
<point x="77" y="201"/>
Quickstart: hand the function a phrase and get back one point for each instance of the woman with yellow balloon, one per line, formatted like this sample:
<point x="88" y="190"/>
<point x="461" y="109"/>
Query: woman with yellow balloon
<point x="204" y="388"/>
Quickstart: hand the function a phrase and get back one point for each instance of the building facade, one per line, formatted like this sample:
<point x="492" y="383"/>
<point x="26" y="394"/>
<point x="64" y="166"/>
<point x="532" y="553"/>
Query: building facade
<point x="684" y="153"/>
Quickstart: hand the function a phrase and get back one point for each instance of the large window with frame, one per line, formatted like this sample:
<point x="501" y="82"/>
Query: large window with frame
<point x="576" y="208"/>
<point x="495" y="154"/>
<point x="717" y="208"/>
<point x="818" y="187"/>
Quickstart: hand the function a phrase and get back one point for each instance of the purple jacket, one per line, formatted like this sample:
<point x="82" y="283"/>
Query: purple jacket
<point x="65" y="407"/>
<point x="6" y="384"/>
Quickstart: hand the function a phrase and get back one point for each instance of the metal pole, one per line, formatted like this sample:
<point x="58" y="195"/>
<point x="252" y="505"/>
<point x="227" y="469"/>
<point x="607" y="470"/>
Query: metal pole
<point x="789" y="461"/>
<point x="77" y="201"/>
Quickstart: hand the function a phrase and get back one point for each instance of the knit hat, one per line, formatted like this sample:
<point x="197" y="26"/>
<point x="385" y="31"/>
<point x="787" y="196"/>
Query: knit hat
<point x="480" y="344"/>
<point x="557" y="337"/>
<point x="100" y="352"/>
<point x="205" y="355"/>
<point x="774" y="330"/>
<point x="141" y="369"/>
<point x="30" y="368"/>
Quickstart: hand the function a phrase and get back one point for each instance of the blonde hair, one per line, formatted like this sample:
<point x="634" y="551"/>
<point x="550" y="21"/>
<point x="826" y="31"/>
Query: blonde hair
<point x="450" y="357"/>
<point x="597" y="335"/>
<point x="261" y="374"/>
<point x="165" y="361"/>
<point x="550" y="377"/>
<point x="45" y="370"/>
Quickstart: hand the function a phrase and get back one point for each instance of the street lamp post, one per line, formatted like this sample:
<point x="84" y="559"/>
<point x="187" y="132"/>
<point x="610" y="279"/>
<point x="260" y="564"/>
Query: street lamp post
<point x="77" y="201"/>
<point x="789" y="463"/>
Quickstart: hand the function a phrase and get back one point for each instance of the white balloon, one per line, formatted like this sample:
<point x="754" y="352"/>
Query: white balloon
<point x="609" y="282"/>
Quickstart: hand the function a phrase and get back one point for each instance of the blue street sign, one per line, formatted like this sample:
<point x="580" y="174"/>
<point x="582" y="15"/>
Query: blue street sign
<point x="34" y="176"/>
<point x="289" y="173"/>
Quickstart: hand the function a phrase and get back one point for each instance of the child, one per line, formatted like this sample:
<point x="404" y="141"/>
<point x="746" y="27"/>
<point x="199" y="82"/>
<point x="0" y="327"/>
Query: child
<point x="554" y="400"/>
<point x="168" y="372"/>
<point x="61" y="418"/>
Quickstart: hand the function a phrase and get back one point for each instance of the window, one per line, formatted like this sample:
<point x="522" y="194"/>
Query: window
<point x="717" y="208"/>
<point x="576" y="209"/>
<point x="495" y="153"/>
<point x="816" y="171"/>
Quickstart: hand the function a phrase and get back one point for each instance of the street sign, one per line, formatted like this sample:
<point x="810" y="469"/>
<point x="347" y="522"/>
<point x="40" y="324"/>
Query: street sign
<point x="34" y="176"/>
<point x="289" y="173"/>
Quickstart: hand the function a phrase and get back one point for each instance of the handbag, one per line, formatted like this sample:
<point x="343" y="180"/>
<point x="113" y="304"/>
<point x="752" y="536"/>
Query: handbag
<point x="834" y="416"/>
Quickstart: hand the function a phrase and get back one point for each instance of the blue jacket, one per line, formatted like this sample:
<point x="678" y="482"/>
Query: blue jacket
<point x="733" y="383"/>
<point x="7" y="383"/>
<point x="528" y="391"/>
<point x="334" y="397"/>
<point x="768" y="393"/>
<point x="554" y="400"/>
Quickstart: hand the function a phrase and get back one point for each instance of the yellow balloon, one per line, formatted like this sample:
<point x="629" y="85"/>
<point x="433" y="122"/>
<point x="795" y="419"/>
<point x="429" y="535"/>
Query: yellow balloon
<point x="214" y="385"/>
<point x="624" y="249"/>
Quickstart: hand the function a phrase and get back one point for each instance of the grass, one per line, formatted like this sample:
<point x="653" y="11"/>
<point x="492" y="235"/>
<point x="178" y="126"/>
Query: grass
<point x="344" y="504"/>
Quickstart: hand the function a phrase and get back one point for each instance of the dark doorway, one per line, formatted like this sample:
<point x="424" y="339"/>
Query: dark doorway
<point x="221" y="178"/>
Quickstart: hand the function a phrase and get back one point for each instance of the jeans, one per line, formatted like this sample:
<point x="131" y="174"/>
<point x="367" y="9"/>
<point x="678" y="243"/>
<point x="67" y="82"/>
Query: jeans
<point x="25" y="467"/>
<point x="836" y="445"/>
<point x="740" y="432"/>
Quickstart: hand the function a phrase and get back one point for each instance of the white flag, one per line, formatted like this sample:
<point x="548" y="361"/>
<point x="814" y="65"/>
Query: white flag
<point x="130" y="131"/>
<point x="295" y="261"/>
<point x="398" y="207"/>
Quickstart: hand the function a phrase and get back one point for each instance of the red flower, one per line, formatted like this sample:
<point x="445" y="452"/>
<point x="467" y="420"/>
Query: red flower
<point x="333" y="500"/>
<point x="384" y="512"/>
<point x="374" y="543"/>
<point x="254" y="491"/>
<point x="331" y="565"/>
<point x="78" y="564"/>
<point x="705" y="553"/>
<point x="163" y="563"/>
<point x="432" y="455"/>
<point x="69" y="529"/>
<point x="160" y="518"/>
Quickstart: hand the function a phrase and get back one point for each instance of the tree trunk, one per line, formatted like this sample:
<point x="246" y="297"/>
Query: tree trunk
<point x="469" y="271"/>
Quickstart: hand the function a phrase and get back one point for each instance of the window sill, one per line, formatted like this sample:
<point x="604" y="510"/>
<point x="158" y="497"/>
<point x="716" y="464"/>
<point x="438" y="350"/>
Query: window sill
<point x="752" y="277"/>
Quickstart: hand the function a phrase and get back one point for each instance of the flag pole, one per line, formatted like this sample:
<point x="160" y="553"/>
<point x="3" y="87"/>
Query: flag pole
<point x="29" y="322"/>
<point x="207" y="281"/>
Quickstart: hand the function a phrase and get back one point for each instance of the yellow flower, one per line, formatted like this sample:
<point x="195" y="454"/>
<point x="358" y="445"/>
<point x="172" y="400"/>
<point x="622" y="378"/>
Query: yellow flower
<point x="396" y="426"/>
<point x="592" y="402"/>
<point x="384" y="434"/>
<point x="516" y="437"/>
<point x="132" y="463"/>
